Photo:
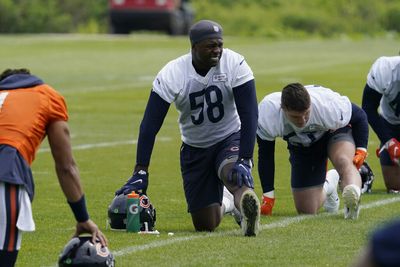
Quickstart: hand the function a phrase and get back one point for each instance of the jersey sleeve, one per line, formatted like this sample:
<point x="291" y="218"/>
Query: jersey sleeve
<point x="169" y="81"/>
<point x="333" y="110"/>
<point x="57" y="106"/>
<point x="340" y="114"/>
<point x="243" y="72"/>
<point x="269" y="117"/>
<point x="380" y="75"/>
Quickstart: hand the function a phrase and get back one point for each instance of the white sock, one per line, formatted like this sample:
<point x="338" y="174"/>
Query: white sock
<point x="332" y="178"/>
<point x="270" y="194"/>
<point x="227" y="205"/>
<point x="227" y="201"/>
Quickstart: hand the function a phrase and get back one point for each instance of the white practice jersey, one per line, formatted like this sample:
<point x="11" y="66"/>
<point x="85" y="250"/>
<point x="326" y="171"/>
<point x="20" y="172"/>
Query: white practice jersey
<point x="329" y="111"/>
<point x="207" y="110"/>
<point x="384" y="77"/>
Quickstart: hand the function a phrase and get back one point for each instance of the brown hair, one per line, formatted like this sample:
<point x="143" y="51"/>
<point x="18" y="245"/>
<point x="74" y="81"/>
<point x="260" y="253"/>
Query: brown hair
<point x="295" y="97"/>
<point x="9" y="72"/>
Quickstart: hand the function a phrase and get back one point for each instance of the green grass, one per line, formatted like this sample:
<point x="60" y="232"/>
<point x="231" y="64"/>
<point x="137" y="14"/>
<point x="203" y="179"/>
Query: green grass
<point x="106" y="81"/>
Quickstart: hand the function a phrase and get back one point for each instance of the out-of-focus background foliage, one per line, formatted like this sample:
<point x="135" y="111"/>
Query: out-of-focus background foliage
<point x="269" y="18"/>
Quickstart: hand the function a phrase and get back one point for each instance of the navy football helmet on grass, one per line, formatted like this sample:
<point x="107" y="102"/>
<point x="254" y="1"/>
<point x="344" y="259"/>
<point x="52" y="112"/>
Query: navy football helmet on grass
<point x="367" y="177"/>
<point x="80" y="251"/>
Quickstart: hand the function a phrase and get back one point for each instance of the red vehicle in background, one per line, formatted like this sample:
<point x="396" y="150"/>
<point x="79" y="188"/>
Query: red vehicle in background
<point x="172" y="16"/>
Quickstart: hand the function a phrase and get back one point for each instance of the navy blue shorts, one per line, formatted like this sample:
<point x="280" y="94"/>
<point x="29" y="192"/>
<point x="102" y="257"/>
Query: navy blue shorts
<point x="199" y="167"/>
<point x="309" y="164"/>
<point x="15" y="170"/>
<point x="394" y="131"/>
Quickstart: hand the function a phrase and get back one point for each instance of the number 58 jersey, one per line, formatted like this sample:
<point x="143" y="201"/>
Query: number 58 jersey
<point x="206" y="105"/>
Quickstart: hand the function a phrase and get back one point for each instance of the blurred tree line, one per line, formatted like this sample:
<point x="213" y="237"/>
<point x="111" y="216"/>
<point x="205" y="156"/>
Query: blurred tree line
<point x="53" y="16"/>
<point x="272" y="18"/>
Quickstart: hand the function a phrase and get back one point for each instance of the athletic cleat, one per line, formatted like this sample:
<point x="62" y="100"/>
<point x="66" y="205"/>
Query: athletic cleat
<point x="250" y="206"/>
<point x="351" y="202"/>
<point x="267" y="205"/>
<point x="332" y="201"/>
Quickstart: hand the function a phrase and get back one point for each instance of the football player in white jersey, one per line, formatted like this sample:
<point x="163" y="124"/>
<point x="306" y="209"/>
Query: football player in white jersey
<point x="317" y="124"/>
<point x="382" y="91"/>
<point x="213" y="90"/>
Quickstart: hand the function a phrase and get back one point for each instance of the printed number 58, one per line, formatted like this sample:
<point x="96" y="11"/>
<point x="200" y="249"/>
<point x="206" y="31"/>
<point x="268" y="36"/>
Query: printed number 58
<point x="215" y="109"/>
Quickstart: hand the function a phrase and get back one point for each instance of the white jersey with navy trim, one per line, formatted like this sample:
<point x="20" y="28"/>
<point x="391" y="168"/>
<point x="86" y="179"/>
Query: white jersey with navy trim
<point x="384" y="77"/>
<point x="329" y="111"/>
<point x="206" y="106"/>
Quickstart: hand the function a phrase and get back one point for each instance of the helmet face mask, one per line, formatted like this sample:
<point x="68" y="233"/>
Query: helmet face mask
<point x="117" y="215"/>
<point x="367" y="177"/>
<point x="80" y="251"/>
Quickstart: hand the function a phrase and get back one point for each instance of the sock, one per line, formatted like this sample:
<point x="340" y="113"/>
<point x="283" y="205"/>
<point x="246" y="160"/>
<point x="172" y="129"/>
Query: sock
<point x="227" y="205"/>
<point x="270" y="194"/>
<point x="332" y="178"/>
<point x="8" y="259"/>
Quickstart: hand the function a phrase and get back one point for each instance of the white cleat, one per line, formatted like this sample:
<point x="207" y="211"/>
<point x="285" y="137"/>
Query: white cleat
<point x="250" y="207"/>
<point x="332" y="201"/>
<point x="351" y="202"/>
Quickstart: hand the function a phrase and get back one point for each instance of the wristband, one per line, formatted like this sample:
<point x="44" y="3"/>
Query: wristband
<point x="79" y="209"/>
<point x="247" y="161"/>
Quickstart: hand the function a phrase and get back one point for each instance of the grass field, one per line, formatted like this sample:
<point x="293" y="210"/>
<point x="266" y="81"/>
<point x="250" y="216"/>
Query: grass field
<point x="106" y="81"/>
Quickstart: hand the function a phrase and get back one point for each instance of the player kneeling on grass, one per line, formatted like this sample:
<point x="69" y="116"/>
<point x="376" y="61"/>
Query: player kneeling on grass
<point x="30" y="110"/>
<point x="213" y="89"/>
<point x="382" y="92"/>
<point x="318" y="124"/>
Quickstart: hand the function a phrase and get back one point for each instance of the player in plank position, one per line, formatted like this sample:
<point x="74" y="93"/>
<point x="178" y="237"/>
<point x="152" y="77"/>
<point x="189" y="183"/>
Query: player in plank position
<point x="213" y="89"/>
<point x="317" y="124"/>
<point x="382" y="91"/>
<point x="30" y="110"/>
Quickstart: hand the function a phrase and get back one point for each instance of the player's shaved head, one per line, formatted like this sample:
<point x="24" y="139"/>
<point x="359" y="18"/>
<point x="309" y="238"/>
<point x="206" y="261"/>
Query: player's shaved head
<point x="295" y="97"/>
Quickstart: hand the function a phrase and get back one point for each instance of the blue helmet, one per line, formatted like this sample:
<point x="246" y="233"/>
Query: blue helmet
<point x="367" y="177"/>
<point x="80" y="251"/>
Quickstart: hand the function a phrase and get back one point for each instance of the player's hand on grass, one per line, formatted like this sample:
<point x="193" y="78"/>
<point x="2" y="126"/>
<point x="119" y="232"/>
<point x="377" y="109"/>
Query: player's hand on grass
<point x="138" y="182"/>
<point x="241" y="173"/>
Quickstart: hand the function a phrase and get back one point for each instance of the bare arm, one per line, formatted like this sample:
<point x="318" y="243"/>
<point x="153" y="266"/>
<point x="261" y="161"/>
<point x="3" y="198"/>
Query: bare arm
<point x="68" y="175"/>
<point x="66" y="168"/>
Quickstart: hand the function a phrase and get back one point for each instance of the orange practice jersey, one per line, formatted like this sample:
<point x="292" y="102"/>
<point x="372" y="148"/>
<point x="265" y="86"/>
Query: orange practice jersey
<point x="25" y="114"/>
